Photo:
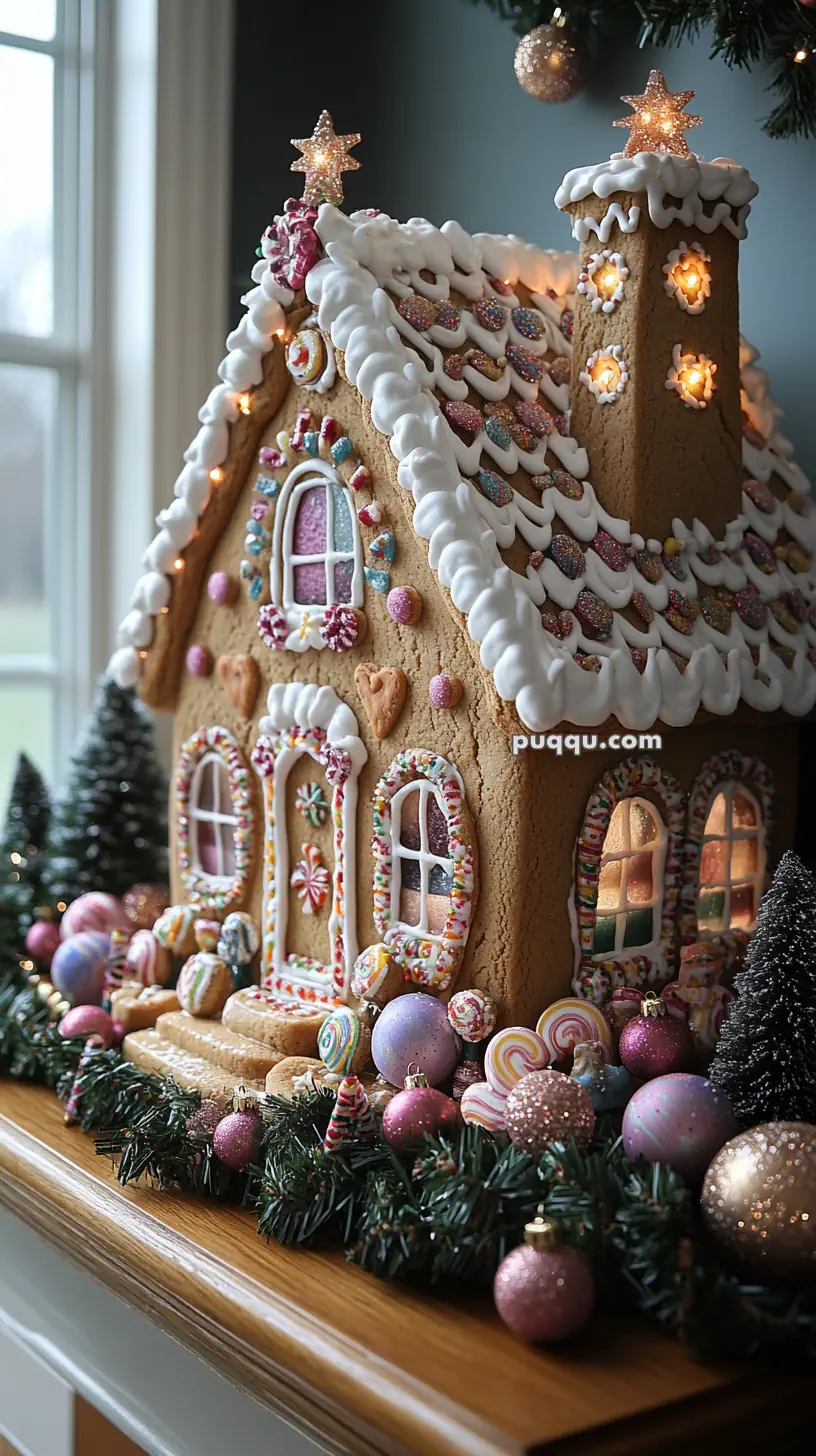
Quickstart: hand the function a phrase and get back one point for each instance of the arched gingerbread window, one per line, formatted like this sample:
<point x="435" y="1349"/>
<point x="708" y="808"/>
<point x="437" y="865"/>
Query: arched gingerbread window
<point x="729" y="821"/>
<point x="424" y="866"/>
<point x="627" y="879"/>
<point x="214" y="821"/>
<point x="317" y="559"/>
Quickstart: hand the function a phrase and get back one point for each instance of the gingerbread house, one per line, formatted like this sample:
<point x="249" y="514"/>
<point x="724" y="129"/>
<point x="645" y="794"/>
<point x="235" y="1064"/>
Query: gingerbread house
<point x="466" y="524"/>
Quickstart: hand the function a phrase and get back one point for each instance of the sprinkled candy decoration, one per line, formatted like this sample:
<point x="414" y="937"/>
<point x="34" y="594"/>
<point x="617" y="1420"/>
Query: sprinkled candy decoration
<point x="567" y="485"/>
<point x="377" y="977"/>
<point x="310" y="879"/>
<point x="94" y="911"/>
<point x="529" y="323"/>
<point x="115" y="969"/>
<point x="463" y="417"/>
<point x="148" y="961"/>
<point x="199" y="660"/>
<point x="448" y="316"/>
<point x="611" y="552"/>
<point x="291" y="245"/>
<point x="570" y="1021"/>
<point x="310" y="802"/>
<point x="561" y="370"/>
<point x="417" y="311"/>
<point x="404" y="605"/>
<point x="499" y="433"/>
<point x="534" y="417"/>
<point x="222" y="588"/>
<point x="204" y="984"/>
<point x="568" y="556"/>
<point x="527" y="365"/>
<point x="341" y="627"/>
<point x="472" y="1014"/>
<point x="206" y="934"/>
<point x="344" y="1042"/>
<point x="347" y="1115"/>
<point x="490" y="315"/>
<point x="174" y="929"/>
<point x="306" y="356"/>
<point x="594" y="615"/>
<point x="512" y="1054"/>
<point x="494" y="487"/>
<point x="492" y="369"/>
<point x="445" y="691"/>
<point x="78" y="967"/>
<point x="272" y="628"/>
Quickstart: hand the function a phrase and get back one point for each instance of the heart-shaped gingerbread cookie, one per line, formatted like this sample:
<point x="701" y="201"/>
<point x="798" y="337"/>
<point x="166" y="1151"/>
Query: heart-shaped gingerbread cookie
<point x="239" y="678"/>
<point x="382" y="693"/>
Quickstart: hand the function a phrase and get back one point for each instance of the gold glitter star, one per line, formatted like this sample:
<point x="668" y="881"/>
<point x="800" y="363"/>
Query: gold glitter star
<point x="660" y="120"/>
<point x="325" y="156"/>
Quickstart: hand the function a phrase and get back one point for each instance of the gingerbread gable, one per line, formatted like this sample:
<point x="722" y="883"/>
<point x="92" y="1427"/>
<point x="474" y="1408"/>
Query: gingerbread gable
<point x="462" y="346"/>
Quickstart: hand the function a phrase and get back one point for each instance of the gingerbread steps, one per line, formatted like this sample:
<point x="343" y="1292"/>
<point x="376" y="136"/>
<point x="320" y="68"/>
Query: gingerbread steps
<point x="153" y="1052"/>
<point x="223" y="1049"/>
<point x="287" y="1027"/>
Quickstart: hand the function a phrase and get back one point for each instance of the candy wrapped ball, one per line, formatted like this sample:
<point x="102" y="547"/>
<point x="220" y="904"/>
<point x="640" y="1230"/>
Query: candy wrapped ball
<point x="78" y="967"/>
<point x="42" y="941"/>
<point x="472" y="1014"/>
<point x="414" y="1032"/>
<point x="681" y="1120"/>
<point x="344" y="1042"/>
<point x="94" y="911"/>
<point x="146" y="961"/>
<point x="204" y="984"/>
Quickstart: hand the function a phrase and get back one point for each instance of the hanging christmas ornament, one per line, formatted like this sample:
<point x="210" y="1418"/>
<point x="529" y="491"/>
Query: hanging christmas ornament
<point x="417" y="1110"/>
<point x="680" y="1120"/>
<point x="202" y="1123"/>
<point x="654" y="1043"/>
<point x="88" y="1021"/>
<point x="547" y="1107"/>
<point x="759" y="1199"/>
<point x="237" y="1137"/>
<point x="659" y="119"/>
<point x="414" y="1031"/>
<point x="543" y="1290"/>
<point x="551" y="62"/>
<point x="472" y="1014"/>
<point x="42" y="941"/>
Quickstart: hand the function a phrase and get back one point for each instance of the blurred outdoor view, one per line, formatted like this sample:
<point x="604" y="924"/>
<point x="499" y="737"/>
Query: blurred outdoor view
<point x="28" y="392"/>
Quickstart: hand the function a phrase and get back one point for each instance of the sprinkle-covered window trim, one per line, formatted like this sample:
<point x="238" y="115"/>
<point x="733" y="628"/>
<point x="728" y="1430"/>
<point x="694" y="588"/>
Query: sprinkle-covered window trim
<point x="718" y="772"/>
<point x="430" y="960"/>
<point x="304" y="620"/>
<point x="214" y="892"/>
<point x="595" y="979"/>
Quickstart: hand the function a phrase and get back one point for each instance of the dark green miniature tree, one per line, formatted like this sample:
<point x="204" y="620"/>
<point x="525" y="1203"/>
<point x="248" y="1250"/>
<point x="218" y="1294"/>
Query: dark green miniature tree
<point x="109" y="827"/>
<point x="22" y="860"/>
<point x="766" y="1055"/>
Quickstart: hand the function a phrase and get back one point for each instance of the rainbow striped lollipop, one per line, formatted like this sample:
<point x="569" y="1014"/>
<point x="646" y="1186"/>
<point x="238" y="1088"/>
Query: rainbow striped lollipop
<point x="569" y="1021"/>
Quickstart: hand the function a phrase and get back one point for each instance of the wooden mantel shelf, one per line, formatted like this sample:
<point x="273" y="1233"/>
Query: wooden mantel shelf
<point x="358" y="1365"/>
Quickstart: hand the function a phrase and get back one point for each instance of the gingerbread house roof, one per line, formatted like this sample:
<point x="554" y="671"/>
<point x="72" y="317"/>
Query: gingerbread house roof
<point x="462" y="347"/>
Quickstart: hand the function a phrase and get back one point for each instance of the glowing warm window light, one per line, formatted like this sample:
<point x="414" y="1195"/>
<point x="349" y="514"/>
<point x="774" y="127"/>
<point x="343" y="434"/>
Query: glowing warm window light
<point x="692" y="376"/>
<point x="688" y="276"/>
<point x="602" y="279"/>
<point x="605" y="374"/>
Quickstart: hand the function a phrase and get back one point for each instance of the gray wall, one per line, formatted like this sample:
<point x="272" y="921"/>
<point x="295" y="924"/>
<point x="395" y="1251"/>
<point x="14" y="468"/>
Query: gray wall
<point x="448" y="132"/>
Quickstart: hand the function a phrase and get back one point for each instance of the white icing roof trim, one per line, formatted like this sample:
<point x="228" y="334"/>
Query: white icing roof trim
<point x="691" y="183"/>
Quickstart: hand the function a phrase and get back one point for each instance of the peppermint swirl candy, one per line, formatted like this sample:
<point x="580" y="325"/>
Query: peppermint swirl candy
<point x="338" y="1039"/>
<point x="511" y="1055"/>
<point x="472" y="1014"/>
<point x="239" y="940"/>
<point x="483" y="1105"/>
<point x="569" y="1021"/>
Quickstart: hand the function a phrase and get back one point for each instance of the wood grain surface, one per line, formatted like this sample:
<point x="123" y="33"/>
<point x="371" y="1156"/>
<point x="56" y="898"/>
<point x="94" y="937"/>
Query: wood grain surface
<point x="365" y="1367"/>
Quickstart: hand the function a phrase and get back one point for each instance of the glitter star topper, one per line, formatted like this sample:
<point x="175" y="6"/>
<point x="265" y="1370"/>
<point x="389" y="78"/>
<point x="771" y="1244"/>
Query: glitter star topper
<point x="325" y="157"/>
<point x="659" y="120"/>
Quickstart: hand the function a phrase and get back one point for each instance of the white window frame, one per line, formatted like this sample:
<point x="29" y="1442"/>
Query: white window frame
<point x="426" y="859"/>
<point x="304" y="619"/>
<point x="657" y="849"/>
<point x="222" y="820"/>
<point x="729" y="837"/>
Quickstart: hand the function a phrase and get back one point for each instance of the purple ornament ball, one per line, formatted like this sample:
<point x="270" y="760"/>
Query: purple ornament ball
<point x="681" y="1120"/>
<point x="237" y="1138"/>
<point x="415" y="1112"/>
<point x="544" y="1294"/>
<point x="88" y="1021"/>
<point x="78" y="967"/>
<point x="42" y="941"/>
<point x="655" y="1045"/>
<point x="414" y="1031"/>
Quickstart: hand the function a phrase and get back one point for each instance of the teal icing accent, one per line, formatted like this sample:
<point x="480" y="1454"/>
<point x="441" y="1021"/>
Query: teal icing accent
<point x="383" y="547"/>
<point x="341" y="449"/>
<point x="379" y="580"/>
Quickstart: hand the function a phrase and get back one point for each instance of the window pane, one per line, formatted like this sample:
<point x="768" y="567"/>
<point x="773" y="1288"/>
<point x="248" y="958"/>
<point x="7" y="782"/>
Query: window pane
<point x="34" y="18"/>
<point x="26" y="190"/>
<point x="604" y="935"/>
<point x="744" y="858"/>
<point x="411" y="873"/>
<point x="743" y="811"/>
<point x="639" y="927"/>
<point x="27" y="408"/>
<point x="743" y="907"/>
<point x="714" y="862"/>
<point x="409" y="820"/>
<point x="609" y="885"/>
<point x="227" y="839"/>
<point x="207" y="850"/>
<point x="438" y="906"/>
<point x="639" y="882"/>
<point x="642" y="827"/>
<point x="206" y="787"/>
<point x="711" y="910"/>
<point x="437" y="827"/>
<point x="614" y="842"/>
<point x="343" y="529"/>
<point x="343" y="576"/>
<point x="715" y="823"/>
<point x="409" y="908"/>
<point x="439" y="881"/>
<point x="25" y="726"/>
<point x="310" y="523"/>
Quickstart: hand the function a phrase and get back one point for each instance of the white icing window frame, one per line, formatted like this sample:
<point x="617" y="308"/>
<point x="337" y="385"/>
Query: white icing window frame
<point x="657" y="849"/>
<point x="304" y="620"/>
<point x="223" y="820"/>
<point x="731" y="834"/>
<point x="427" y="860"/>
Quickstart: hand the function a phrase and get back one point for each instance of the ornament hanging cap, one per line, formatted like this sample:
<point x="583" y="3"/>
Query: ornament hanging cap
<point x="325" y="157"/>
<point x="652" y="1005"/>
<point x="541" y="1233"/>
<point x="414" y="1079"/>
<point x="244" y="1100"/>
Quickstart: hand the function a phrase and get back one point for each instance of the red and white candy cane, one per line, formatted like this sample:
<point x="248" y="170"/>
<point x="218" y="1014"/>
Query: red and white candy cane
<point x="92" y="1047"/>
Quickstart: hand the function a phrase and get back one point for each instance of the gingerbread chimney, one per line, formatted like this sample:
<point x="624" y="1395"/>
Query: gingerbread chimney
<point x="656" y="387"/>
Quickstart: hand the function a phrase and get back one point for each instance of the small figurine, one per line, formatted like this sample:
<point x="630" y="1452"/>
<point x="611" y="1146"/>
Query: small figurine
<point x="608" y="1087"/>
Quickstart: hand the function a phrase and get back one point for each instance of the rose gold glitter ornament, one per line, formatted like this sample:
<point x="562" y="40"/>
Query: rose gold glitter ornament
<point x="547" y="1107"/>
<point x="759" y="1199"/>
<point x="543" y="1290"/>
<point x="551" y="63"/>
<point x="144" y="904"/>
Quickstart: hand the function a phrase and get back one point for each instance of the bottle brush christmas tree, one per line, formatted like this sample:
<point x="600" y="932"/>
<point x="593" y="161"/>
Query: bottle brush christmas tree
<point x="109" y="828"/>
<point x="22" y="860"/>
<point x="766" y="1055"/>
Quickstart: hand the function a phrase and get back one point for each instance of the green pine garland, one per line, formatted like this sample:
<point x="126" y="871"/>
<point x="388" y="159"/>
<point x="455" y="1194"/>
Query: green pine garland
<point x="445" y="1218"/>
<point x="745" y="33"/>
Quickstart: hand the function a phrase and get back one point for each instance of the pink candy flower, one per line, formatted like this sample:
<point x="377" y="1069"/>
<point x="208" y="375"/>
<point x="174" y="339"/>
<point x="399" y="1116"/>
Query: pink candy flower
<point x="310" y="879"/>
<point x="272" y="628"/>
<point x="291" y="245"/>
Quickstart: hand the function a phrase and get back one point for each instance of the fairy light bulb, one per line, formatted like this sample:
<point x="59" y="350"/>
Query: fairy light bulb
<point x="244" y="404"/>
<point x="216" y="475"/>
<point x="178" y="564"/>
<point x="800" y="55"/>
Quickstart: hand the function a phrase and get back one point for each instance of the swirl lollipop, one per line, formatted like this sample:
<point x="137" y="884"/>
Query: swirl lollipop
<point x="344" y="1043"/>
<point x="472" y="1014"/>
<point x="570" y="1021"/>
<point x="511" y="1055"/>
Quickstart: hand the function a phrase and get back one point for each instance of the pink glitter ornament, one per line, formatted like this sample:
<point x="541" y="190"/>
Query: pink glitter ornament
<point x="680" y="1120"/>
<point x="444" y="691"/>
<point x="416" y="1111"/>
<point x="202" y="1123"/>
<point x="543" y="1290"/>
<point x="404" y="605"/>
<point x="221" y="588"/>
<point x="88" y="1021"/>
<point x="199" y="660"/>
<point x="548" y="1107"/>
<point x="94" y="911"/>
<point x="654" y="1043"/>
<point x="237" y="1137"/>
<point x="41" y="941"/>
